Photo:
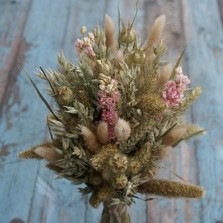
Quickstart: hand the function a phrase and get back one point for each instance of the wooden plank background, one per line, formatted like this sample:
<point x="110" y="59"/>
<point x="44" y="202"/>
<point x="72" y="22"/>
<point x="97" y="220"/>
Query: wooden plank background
<point x="33" y="32"/>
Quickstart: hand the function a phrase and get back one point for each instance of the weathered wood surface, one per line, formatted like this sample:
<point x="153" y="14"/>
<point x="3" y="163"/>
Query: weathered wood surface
<point x="33" y="32"/>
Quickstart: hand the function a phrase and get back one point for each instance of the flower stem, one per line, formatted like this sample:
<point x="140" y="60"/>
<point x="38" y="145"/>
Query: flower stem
<point x="115" y="213"/>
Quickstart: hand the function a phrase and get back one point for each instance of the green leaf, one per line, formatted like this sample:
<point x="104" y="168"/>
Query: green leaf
<point x="177" y="64"/>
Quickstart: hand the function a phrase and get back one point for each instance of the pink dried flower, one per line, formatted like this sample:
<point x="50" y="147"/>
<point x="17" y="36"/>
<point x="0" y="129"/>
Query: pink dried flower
<point x="116" y="96"/>
<point x="109" y="116"/>
<point x="107" y="102"/>
<point x="89" y="51"/>
<point x="79" y="45"/>
<point x="172" y="94"/>
<point x="182" y="81"/>
<point x="86" y="45"/>
<point x="91" y="36"/>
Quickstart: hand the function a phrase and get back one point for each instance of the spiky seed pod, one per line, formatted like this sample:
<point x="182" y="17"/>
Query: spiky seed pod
<point x="48" y="153"/>
<point x="122" y="130"/>
<point x="137" y="56"/>
<point x="109" y="33"/>
<point x="127" y="36"/>
<point x="140" y="159"/>
<point x="102" y="132"/>
<point x="30" y="154"/>
<point x="83" y="98"/>
<point x="64" y="95"/>
<point x="149" y="84"/>
<point x="120" y="182"/>
<point x="143" y="154"/>
<point x="168" y="188"/>
<point x="156" y="31"/>
<point x="89" y="138"/>
<point x="174" y="136"/>
<point x="95" y="178"/>
<point x="134" y="167"/>
<point x="118" y="163"/>
<point x="151" y="104"/>
<point x="99" y="160"/>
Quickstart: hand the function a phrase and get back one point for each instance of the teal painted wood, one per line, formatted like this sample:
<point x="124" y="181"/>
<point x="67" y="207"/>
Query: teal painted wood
<point x="28" y="191"/>
<point x="206" y="49"/>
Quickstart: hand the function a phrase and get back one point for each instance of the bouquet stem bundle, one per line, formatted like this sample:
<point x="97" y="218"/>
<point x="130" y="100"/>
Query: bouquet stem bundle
<point x="119" y="113"/>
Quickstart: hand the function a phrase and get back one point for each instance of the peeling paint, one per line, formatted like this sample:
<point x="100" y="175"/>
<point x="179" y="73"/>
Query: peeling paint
<point x="4" y="151"/>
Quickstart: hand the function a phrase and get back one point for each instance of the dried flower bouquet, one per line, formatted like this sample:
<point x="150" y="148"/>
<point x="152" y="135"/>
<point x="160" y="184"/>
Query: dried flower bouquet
<point x="119" y="113"/>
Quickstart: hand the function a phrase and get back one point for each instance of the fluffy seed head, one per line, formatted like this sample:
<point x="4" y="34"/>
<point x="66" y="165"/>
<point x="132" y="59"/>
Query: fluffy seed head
<point x="122" y="130"/>
<point x="102" y="132"/>
<point x="151" y="104"/>
<point x="89" y="138"/>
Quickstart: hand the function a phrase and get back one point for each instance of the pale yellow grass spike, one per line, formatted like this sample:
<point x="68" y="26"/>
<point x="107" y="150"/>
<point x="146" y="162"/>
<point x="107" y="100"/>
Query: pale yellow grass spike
<point x="156" y="31"/>
<point x="102" y="132"/>
<point x="48" y="153"/>
<point x="109" y="29"/>
<point x="89" y="138"/>
<point x="165" y="152"/>
<point x="165" y="75"/>
<point x="174" y="136"/>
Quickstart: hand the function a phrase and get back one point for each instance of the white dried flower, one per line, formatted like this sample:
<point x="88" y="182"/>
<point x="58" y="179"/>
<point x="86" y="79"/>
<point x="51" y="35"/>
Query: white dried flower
<point x="122" y="130"/>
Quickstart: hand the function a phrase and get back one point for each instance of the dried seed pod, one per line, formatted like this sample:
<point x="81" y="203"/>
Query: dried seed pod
<point x="151" y="104"/>
<point x="120" y="182"/>
<point x="137" y="56"/>
<point x="134" y="167"/>
<point x="98" y="161"/>
<point x="118" y="163"/>
<point x="127" y="36"/>
<point x="64" y="95"/>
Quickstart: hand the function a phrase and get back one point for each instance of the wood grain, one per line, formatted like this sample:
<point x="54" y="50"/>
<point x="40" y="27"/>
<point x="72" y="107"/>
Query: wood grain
<point x="33" y="32"/>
